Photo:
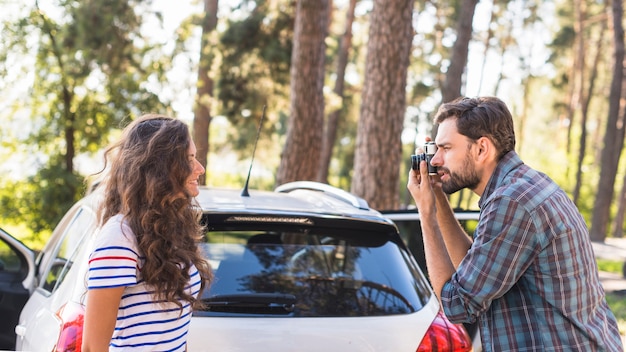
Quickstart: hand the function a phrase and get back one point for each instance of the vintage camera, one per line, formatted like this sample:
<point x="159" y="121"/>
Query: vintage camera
<point x="430" y="148"/>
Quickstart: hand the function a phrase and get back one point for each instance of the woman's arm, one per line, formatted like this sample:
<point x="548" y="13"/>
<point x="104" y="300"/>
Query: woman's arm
<point x="100" y="317"/>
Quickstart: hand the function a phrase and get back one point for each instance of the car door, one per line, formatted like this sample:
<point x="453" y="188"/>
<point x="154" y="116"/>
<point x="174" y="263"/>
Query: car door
<point x="58" y="267"/>
<point x="17" y="281"/>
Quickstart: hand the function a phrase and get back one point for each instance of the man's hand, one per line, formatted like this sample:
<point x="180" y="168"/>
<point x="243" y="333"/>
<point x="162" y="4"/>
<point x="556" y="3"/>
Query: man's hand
<point x="438" y="262"/>
<point x="421" y="188"/>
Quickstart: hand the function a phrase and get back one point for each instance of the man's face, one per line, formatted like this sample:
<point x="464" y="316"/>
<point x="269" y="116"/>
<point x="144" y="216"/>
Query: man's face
<point x="454" y="159"/>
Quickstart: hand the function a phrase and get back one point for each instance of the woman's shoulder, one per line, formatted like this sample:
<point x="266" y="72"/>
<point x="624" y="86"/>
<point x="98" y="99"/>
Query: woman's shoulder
<point x="116" y="231"/>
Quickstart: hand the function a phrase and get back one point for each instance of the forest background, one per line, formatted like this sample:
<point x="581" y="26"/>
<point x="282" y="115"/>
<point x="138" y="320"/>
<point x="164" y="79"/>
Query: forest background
<point x="349" y="89"/>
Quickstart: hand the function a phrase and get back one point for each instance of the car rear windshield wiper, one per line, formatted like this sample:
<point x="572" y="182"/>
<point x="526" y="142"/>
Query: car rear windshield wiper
<point x="251" y="303"/>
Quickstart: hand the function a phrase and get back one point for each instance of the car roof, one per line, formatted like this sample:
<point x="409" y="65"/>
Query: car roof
<point x="309" y="199"/>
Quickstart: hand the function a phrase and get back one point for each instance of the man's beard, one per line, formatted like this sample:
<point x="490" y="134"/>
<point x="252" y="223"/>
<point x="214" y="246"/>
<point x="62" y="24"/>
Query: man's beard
<point x="468" y="178"/>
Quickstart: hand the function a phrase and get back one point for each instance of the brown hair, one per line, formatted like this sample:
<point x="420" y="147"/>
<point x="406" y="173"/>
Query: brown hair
<point x="149" y="167"/>
<point x="481" y="117"/>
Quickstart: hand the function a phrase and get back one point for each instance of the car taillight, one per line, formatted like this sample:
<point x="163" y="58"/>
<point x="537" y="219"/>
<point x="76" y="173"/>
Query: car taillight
<point x="72" y="316"/>
<point x="442" y="335"/>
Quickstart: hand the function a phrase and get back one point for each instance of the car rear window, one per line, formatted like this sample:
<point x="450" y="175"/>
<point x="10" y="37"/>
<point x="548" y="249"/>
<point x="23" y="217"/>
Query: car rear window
<point x="311" y="272"/>
<point x="411" y="232"/>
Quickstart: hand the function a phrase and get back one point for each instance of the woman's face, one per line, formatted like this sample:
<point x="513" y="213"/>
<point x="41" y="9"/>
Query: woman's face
<point x="196" y="170"/>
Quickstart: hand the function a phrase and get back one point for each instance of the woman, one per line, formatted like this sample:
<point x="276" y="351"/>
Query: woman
<point x="145" y="273"/>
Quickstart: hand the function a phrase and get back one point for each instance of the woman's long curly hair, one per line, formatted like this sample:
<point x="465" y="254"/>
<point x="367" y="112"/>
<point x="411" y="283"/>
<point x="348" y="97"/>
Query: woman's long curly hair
<point x="148" y="169"/>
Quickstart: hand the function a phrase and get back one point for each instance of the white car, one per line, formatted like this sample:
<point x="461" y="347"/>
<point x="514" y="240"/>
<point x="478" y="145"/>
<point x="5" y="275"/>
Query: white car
<point x="408" y="223"/>
<point x="307" y="267"/>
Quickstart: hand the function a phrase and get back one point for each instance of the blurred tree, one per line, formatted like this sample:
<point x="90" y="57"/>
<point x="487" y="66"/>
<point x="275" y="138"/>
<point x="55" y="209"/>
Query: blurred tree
<point x="529" y="19"/>
<point x="93" y="68"/>
<point x="301" y="152"/>
<point x="204" y="86"/>
<point x="505" y="43"/>
<point x="614" y="134"/>
<point x="458" y="59"/>
<point x="618" y="221"/>
<point x="383" y="106"/>
<point x="256" y="54"/>
<point x="586" y="86"/>
<point x="90" y="73"/>
<point x="487" y="38"/>
<point x="331" y="123"/>
<point x="454" y="79"/>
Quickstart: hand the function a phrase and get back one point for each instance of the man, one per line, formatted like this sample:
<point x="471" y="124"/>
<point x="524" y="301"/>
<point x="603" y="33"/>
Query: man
<point x="529" y="276"/>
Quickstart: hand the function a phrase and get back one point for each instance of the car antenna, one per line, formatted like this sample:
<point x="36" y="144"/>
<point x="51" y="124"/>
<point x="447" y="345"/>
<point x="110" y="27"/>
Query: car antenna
<point x="245" y="193"/>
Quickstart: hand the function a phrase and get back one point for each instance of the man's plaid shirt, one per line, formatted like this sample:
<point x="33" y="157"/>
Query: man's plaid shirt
<point x="530" y="277"/>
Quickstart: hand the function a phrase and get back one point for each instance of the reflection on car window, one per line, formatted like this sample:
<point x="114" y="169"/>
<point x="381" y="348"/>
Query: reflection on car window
<point x="68" y="248"/>
<point x="328" y="273"/>
<point x="10" y="261"/>
<point x="411" y="232"/>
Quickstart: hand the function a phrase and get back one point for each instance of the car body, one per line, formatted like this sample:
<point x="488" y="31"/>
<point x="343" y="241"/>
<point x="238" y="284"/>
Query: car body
<point x="307" y="267"/>
<point x="15" y="279"/>
<point x="409" y="227"/>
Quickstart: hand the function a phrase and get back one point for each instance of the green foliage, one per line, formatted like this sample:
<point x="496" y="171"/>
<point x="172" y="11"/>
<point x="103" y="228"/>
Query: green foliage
<point x="25" y="234"/>
<point x="258" y="52"/>
<point x="611" y="266"/>
<point x="41" y="200"/>
<point x="563" y="40"/>
<point x="617" y="303"/>
<point x="90" y="72"/>
<point x="88" y="67"/>
<point x="51" y="186"/>
<point x="103" y="32"/>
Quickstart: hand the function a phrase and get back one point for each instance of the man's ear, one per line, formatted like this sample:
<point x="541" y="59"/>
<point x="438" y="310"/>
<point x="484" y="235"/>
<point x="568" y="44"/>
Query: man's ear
<point x="485" y="149"/>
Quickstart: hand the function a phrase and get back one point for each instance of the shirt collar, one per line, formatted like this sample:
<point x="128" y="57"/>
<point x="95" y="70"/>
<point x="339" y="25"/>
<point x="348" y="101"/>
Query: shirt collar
<point x="508" y="163"/>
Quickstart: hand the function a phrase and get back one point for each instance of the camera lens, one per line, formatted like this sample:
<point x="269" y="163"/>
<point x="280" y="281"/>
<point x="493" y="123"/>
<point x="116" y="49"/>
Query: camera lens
<point x="415" y="162"/>
<point x="430" y="150"/>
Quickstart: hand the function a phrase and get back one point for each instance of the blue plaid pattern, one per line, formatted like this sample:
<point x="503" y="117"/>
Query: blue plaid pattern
<point x="530" y="277"/>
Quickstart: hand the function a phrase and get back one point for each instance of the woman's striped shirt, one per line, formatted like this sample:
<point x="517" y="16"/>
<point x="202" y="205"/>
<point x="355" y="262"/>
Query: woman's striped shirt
<point x="142" y="322"/>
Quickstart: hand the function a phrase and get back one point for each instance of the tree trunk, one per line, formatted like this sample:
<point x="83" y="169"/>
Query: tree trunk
<point x="618" y="222"/>
<point x="458" y="59"/>
<point x="522" y="117"/>
<point x="70" y="121"/>
<point x="67" y="94"/>
<point x="585" y="102"/>
<point x="330" y="131"/>
<point x="204" y="87"/>
<point x="577" y="75"/>
<point x="301" y="154"/>
<point x="378" y="144"/>
<point x="614" y="135"/>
